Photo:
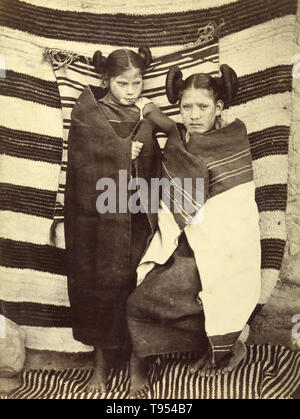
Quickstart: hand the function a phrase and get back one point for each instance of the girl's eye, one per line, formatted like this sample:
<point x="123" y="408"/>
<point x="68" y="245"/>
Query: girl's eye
<point x="186" y="107"/>
<point x="122" y="83"/>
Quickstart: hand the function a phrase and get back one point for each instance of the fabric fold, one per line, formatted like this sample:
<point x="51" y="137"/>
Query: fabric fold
<point x="223" y="234"/>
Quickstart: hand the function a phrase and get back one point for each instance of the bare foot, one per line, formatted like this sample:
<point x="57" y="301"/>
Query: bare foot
<point x="204" y="367"/>
<point x="230" y="361"/>
<point x="238" y="354"/>
<point x="97" y="382"/>
<point x="139" y="384"/>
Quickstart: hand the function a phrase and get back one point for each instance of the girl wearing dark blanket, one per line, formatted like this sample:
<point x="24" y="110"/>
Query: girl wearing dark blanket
<point x="108" y="134"/>
<point x="199" y="281"/>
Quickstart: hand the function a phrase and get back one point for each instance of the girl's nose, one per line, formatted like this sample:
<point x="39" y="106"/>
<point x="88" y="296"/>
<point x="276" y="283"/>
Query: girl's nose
<point x="130" y="90"/>
<point x="195" y="113"/>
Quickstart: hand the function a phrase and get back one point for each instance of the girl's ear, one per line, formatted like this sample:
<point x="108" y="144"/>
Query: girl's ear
<point x="105" y="82"/>
<point x="173" y="84"/>
<point x="219" y="107"/>
<point x="145" y="52"/>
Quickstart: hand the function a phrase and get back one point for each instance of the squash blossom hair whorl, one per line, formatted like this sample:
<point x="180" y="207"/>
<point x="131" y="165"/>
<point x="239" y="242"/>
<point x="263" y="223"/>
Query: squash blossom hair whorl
<point x="222" y="88"/>
<point x="121" y="60"/>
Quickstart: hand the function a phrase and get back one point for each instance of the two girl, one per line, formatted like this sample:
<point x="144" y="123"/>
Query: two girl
<point x="198" y="281"/>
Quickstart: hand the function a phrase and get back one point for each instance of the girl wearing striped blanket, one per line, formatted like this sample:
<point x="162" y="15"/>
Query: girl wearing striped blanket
<point x="108" y="134"/>
<point x="199" y="280"/>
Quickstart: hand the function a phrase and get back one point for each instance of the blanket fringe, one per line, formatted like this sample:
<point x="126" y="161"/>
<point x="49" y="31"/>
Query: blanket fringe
<point x="209" y="32"/>
<point x="63" y="57"/>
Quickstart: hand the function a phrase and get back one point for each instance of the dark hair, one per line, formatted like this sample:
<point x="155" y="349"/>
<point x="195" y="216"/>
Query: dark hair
<point x="121" y="60"/>
<point x="222" y="88"/>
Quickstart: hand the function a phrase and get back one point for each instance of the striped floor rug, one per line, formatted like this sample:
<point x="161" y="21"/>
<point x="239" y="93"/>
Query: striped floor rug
<point x="267" y="372"/>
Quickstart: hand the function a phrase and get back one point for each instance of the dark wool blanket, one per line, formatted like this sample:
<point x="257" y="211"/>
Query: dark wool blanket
<point x="103" y="249"/>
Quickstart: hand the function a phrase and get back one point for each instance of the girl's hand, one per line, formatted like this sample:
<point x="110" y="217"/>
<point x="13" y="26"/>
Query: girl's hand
<point x="136" y="148"/>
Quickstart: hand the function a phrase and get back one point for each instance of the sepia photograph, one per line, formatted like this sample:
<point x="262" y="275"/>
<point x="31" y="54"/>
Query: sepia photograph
<point x="150" y="202"/>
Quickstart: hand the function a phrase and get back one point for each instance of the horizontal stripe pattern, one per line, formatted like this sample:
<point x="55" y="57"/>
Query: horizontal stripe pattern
<point x="153" y="30"/>
<point x="272" y="253"/>
<point x="27" y="200"/>
<point x="31" y="286"/>
<point x="35" y="314"/>
<point x="257" y="115"/>
<point x="271" y="197"/>
<point x="29" y="173"/>
<point x="23" y="115"/>
<point x="262" y="42"/>
<point x="227" y="172"/>
<point x="30" y="88"/>
<point x="18" y="255"/>
<point x="43" y="258"/>
<point x="272" y="224"/>
<point x="29" y="145"/>
<point x="17" y="53"/>
<point x="277" y="79"/>
<point x="257" y="377"/>
<point x="270" y="170"/>
<point x="14" y="226"/>
<point x="270" y="141"/>
<point x="133" y="6"/>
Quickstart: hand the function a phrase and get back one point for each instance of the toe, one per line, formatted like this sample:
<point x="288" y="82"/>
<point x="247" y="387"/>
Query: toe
<point x="139" y="393"/>
<point x="102" y="389"/>
<point x="237" y="357"/>
<point x="197" y="365"/>
<point x="205" y="370"/>
<point x="143" y="393"/>
<point x="214" y="372"/>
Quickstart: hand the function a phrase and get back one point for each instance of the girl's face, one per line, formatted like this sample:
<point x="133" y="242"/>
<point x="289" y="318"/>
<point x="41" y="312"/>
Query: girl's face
<point x="199" y="110"/>
<point x="126" y="87"/>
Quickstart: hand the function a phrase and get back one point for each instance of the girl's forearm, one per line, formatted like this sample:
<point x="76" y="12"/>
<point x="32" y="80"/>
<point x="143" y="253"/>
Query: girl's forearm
<point x="164" y="123"/>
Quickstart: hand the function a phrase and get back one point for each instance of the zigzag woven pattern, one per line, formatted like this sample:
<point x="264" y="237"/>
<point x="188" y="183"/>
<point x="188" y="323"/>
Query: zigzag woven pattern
<point x="267" y="372"/>
<point x="256" y="40"/>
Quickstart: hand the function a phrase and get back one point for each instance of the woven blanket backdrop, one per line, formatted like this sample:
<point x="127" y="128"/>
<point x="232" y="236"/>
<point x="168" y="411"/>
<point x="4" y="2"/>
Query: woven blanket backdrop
<point x="257" y="40"/>
<point x="73" y="72"/>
